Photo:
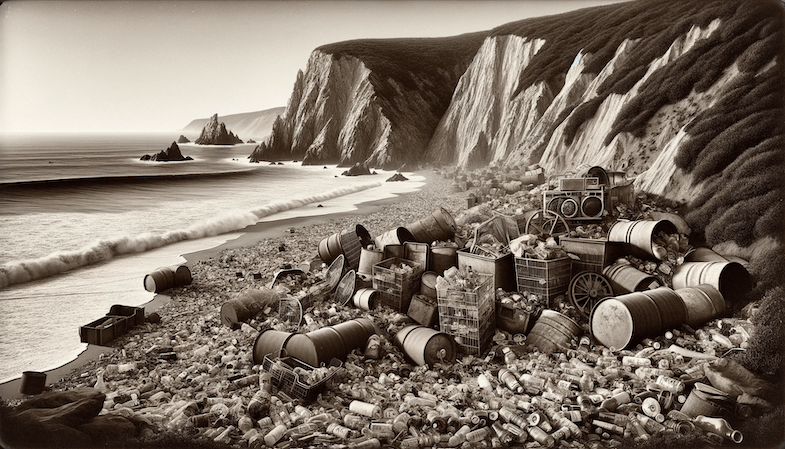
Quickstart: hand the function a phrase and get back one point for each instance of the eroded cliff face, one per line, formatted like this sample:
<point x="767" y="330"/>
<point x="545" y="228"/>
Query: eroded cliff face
<point x="332" y="116"/>
<point x="488" y="123"/>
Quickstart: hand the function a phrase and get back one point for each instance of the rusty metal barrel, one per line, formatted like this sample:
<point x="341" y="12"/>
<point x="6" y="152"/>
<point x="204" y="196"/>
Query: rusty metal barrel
<point x="348" y="242"/>
<point x="730" y="278"/>
<point x="637" y="236"/>
<point x="438" y="226"/>
<point x="424" y="345"/>
<point x="553" y="331"/>
<point x="703" y="303"/>
<point x="625" y="278"/>
<point x="397" y="236"/>
<point x="621" y="321"/>
<point x="670" y="306"/>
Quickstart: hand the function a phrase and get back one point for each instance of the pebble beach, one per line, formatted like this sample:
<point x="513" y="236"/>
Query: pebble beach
<point x="184" y="378"/>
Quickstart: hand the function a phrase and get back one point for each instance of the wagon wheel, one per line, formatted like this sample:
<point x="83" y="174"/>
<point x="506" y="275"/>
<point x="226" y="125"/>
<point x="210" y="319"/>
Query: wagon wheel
<point x="546" y="222"/>
<point x="586" y="289"/>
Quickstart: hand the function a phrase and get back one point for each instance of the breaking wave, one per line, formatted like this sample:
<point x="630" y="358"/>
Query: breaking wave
<point x="22" y="271"/>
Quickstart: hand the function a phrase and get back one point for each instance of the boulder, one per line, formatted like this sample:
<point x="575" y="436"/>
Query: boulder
<point x="357" y="170"/>
<point x="108" y="428"/>
<point x="397" y="177"/>
<point x="52" y="419"/>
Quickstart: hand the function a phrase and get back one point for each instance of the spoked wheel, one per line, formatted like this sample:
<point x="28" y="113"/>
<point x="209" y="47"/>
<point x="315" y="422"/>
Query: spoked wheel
<point x="548" y="223"/>
<point x="586" y="289"/>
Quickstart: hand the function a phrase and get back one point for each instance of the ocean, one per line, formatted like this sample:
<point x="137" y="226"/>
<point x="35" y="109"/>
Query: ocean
<point x="82" y="220"/>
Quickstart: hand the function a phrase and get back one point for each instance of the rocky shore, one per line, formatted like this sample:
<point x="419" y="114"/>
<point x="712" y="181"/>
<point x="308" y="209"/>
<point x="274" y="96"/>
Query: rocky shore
<point x="185" y="379"/>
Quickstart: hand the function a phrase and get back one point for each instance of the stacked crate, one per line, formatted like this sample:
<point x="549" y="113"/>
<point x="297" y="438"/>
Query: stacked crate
<point x="469" y="316"/>
<point x="545" y="278"/>
<point x="395" y="286"/>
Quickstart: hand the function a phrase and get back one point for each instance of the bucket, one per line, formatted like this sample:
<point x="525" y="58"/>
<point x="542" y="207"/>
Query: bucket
<point x="625" y="278"/>
<point x="672" y="310"/>
<point x="317" y="347"/>
<point x="182" y="275"/>
<point x="443" y="257"/>
<point x="33" y="382"/>
<point x="369" y="258"/>
<point x="366" y="298"/>
<point x="424" y="345"/>
<point x="438" y="226"/>
<point x="618" y="322"/>
<point x="428" y="284"/>
<point x="703" y="303"/>
<point x="269" y="341"/>
<point x="637" y="235"/>
<point x="159" y="280"/>
<point x="395" y="236"/>
<point x="731" y="279"/>
<point x="353" y="334"/>
<point x="553" y="331"/>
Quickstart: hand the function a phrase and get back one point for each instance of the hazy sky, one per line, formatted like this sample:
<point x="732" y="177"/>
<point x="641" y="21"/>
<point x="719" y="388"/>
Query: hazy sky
<point x="113" y="65"/>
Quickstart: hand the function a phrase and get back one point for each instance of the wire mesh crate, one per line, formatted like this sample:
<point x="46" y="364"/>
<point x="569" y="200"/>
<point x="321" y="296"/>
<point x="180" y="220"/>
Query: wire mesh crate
<point x="396" y="286"/>
<point x="469" y="316"/>
<point x="545" y="278"/>
<point x="284" y="376"/>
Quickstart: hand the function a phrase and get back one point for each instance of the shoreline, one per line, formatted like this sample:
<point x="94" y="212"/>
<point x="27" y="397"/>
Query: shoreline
<point x="250" y="235"/>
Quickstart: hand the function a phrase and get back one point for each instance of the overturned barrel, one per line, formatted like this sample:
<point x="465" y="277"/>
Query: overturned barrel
<point x="318" y="347"/>
<point x="670" y="307"/>
<point x="553" y="331"/>
<point x="397" y="236"/>
<point x="703" y="303"/>
<point x="625" y="278"/>
<point x="438" y="226"/>
<point x="637" y="237"/>
<point x="164" y="278"/>
<point x="621" y="321"/>
<point x="424" y="345"/>
<point x="348" y="242"/>
<point x="269" y="342"/>
<point x="731" y="279"/>
<point x="366" y="298"/>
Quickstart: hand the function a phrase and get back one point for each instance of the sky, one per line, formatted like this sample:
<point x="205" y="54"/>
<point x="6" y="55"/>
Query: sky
<point x="157" y="65"/>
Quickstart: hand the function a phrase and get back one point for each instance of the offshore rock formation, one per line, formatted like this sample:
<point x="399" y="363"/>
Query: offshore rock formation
<point x="257" y="124"/>
<point x="183" y="139"/>
<point x="686" y="97"/>
<point x="215" y="133"/>
<point x="170" y="154"/>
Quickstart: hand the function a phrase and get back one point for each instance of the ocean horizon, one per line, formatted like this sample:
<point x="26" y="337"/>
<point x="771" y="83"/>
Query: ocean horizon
<point x="84" y="220"/>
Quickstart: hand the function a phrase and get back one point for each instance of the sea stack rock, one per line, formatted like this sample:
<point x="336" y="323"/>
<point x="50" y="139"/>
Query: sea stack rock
<point x="170" y="154"/>
<point x="183" y="139"/>
<point x="357" y="169"/>
<point x="215" y="133"/>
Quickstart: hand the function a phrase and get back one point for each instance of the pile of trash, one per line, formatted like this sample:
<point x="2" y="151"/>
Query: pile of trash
<point x="501" y="347"/>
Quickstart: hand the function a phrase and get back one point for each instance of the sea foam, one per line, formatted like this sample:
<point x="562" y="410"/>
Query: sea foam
<point x="18" y="272"/>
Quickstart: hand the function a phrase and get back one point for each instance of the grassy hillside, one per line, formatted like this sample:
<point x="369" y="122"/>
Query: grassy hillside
<point x="736" y="146"/>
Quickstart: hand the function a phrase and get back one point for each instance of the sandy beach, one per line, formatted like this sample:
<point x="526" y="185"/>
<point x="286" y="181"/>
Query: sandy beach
<point x="301" y="235"/>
